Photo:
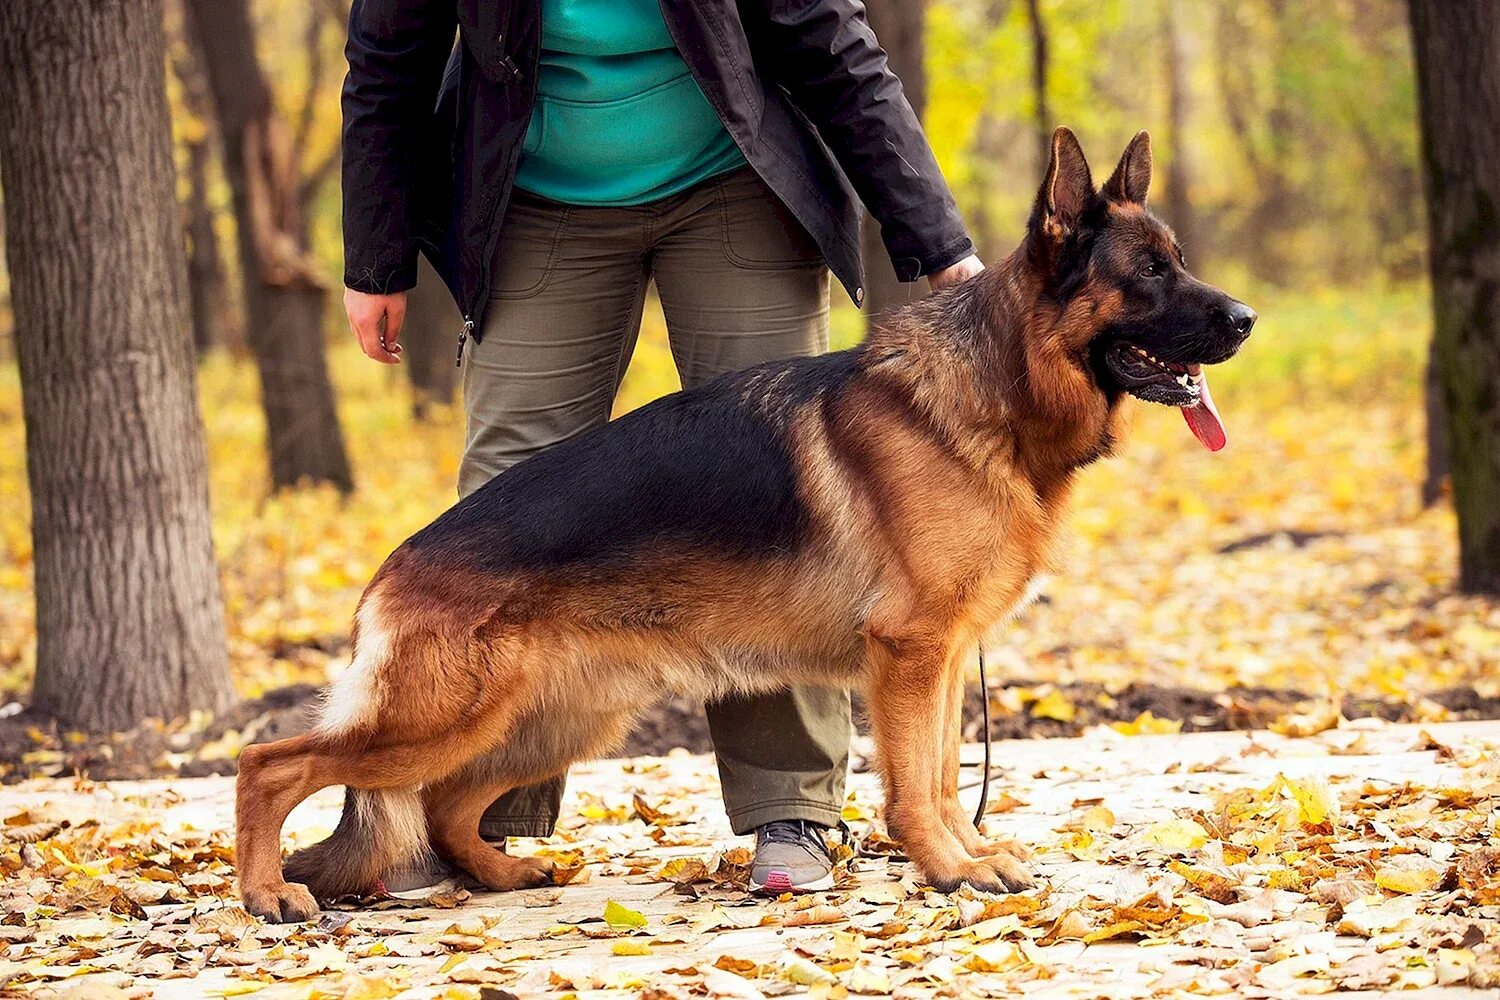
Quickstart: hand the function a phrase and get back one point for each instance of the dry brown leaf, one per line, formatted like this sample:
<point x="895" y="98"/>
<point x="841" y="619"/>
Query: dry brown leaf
<point x="1070" y="925"/>
<point x="229" y="922"/>
<point x="820" y="914"/>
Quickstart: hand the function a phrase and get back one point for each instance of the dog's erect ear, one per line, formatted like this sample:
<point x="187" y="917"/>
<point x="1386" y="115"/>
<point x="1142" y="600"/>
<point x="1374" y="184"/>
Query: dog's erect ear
<point x="1068" y="188"/>
<point x="1132" y="178"/>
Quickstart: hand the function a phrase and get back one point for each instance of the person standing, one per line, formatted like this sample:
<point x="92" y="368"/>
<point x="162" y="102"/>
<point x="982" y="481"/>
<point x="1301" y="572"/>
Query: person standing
<point x="561" y="156"/>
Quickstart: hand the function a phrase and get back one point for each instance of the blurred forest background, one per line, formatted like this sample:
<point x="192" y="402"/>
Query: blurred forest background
<point x="1310" y="569"/>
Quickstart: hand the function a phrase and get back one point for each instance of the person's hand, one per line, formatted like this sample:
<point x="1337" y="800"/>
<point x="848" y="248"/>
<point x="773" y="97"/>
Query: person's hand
<point x="376" y="321"/>
<point x="955" y="273"/>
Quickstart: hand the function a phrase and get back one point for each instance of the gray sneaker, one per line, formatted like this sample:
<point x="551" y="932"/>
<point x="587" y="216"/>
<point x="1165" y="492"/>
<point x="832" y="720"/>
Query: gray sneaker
<point x="432" y="873"/>
<point x="791" y="856"/>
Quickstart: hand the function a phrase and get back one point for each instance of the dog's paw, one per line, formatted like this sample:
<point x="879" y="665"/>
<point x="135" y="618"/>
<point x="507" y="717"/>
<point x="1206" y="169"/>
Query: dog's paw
<point x="980" y="875"/>
<point x="532" y="872"/>
<point x="1003" y="845"/>
<point x="1011" y="869"/>
<point x="283" y="903"/>
<point x="504" y="873"/>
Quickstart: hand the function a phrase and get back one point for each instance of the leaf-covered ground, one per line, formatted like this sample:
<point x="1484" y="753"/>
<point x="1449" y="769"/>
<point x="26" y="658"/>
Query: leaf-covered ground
<point x="1221" y="864"/>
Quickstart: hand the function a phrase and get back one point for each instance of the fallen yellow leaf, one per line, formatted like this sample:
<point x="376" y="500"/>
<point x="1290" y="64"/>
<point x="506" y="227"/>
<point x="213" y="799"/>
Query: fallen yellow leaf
<point x="630" y="946"/>
<point x="1176" y="835"/>
<point x="1054" y="705"/>
<point x="620" y="916"/>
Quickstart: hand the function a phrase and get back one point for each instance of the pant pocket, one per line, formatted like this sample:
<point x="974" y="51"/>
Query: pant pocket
<point x="759" y="230"/>
<point x="529" y="239"/>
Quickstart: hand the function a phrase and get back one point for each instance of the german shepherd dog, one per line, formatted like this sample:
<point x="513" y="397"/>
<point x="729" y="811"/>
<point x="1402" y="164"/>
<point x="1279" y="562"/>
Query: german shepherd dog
<point x="860" y="518"/>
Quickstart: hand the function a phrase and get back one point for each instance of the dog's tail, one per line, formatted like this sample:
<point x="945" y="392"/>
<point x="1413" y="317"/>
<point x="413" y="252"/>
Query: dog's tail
<point x="382" y="831"/>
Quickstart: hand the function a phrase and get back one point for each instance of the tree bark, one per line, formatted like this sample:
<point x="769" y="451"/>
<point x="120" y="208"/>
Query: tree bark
<point x="431" y="318"/>
<point x="1039" y="64"/>
<point x="993" y="135"/>
<point x="208" y="288"/>
<point x="129" y="619"/>
<point x="284" y="293"/>
<point x="207" y="294"/>
<point x="900" y="26"/>
<point x="1439" y="458"/>
<point x="1177" y="176"/>
<point x="1457" y="45"/>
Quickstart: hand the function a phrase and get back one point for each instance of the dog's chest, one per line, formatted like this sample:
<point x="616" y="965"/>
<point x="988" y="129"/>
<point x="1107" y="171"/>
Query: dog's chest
<point x="1005" y="609"/>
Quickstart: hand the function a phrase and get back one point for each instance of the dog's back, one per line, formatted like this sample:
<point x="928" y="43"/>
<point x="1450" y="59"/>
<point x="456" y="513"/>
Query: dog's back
<point x="707" y="470"/>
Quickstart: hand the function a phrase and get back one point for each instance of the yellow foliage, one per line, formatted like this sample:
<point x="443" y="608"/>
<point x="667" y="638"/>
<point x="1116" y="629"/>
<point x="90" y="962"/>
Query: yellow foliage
<point x="1146" y="723"/>
<point x="1054" y="705"/>
<point x="1316" y="802"/>
<point x="617" y="915"/>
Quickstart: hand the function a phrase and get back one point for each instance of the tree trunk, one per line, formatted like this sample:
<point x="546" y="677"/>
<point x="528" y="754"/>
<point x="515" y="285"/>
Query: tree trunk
<point x="1039" y="61"/>
<point x="900" y="26"/>
<point x="1262" y="235"/>
<point x="284" y="294"/>
<point x="1178" y="203"/>
<point x="206" y="289"/>
<point x="1457" y="45"/>
<point x="1439" y="459"/>
<point x="993" y="135"/>
<point x="431" y="318"/>
<point x="129" y="619"/>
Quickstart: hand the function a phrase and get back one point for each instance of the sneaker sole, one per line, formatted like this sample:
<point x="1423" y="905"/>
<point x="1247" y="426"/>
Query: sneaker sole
<point x="779" y="882"/>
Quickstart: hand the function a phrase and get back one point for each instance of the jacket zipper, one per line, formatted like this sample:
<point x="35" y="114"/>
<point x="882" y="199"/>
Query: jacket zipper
<point x="463" y="338"/>
<point x="488" y="250"/>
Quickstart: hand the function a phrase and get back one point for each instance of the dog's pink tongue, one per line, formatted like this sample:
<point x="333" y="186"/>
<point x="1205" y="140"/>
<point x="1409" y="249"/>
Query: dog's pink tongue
<point x="1203" y="417"/>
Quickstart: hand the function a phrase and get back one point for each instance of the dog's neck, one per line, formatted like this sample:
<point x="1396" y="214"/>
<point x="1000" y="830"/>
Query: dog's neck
<point x="988" y="363"/>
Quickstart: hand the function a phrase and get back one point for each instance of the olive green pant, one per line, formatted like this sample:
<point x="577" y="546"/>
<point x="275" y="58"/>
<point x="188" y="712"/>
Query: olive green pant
<point x="740" y="282"/>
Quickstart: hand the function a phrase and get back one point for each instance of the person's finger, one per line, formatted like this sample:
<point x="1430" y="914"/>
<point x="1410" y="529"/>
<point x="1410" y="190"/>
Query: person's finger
<point x="357" y="327"/>
<point x="367" y="324"/>
<point x="395" y="319"/>
<point x="365" y="331"/>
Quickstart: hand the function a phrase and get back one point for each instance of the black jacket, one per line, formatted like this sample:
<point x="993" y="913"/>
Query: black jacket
<point x="432" y="132"/>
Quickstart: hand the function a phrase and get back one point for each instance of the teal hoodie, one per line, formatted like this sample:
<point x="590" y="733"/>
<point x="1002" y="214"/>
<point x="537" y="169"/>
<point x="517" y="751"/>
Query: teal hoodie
<point x="619" y="119"/>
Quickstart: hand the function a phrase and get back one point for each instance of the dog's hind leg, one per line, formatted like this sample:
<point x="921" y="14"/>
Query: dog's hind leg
<point x="542" y="744"/>
<point x="273" y="779"/>
<point x="453" y="808"/>
<point x="385" y="827"/>
<point x="1004" y="855"/>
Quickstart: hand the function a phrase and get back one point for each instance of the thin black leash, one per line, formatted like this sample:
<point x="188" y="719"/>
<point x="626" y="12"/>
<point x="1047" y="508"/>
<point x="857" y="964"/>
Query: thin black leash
<point x="984" y="697"/>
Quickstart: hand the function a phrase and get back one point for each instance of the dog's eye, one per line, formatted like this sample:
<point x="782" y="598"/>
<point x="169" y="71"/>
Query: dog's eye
<point x="1155" y="269"/>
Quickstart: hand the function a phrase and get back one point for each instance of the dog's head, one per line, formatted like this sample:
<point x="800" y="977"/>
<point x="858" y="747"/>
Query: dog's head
<point x="1138" y="321"/>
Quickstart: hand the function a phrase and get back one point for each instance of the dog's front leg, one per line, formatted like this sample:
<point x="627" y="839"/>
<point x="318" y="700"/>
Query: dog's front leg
<point x="1006" y="856"/>
<point x="908" y="707"/>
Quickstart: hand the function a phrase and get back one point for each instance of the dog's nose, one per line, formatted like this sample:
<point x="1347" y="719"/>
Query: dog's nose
<point x="1241" y="318"/>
